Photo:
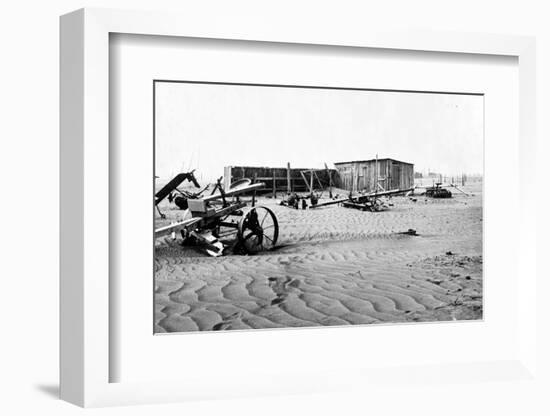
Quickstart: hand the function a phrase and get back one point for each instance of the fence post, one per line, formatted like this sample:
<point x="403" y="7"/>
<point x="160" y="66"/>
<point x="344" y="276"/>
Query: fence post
<point x="274" y="185"/>
<point x="288" y="182"/>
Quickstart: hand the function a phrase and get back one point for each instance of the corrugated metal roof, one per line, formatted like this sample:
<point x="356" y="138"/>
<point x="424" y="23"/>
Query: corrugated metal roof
<point x="373" y="160"/>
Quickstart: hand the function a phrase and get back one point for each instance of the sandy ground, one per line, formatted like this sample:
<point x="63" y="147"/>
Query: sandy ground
<point x="333" y="266"/>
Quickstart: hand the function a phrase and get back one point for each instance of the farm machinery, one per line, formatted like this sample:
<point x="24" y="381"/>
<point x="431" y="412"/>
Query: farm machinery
<point x="176" y="195"/>
<point x="437" y="191"/>
<point x="366" y="202"/>
<point x="297" y="201"/>
<point x="222" y="218"/>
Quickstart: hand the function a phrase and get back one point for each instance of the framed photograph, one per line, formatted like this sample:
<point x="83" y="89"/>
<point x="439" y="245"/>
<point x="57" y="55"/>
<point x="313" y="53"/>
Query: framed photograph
<point x="247" y="210"/>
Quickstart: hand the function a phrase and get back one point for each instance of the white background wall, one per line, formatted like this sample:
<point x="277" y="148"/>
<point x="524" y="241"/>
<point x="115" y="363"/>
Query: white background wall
<point x="29" y="214"/>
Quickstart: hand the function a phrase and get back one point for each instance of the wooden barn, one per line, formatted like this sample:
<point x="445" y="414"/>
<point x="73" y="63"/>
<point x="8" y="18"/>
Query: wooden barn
<point x="361" y="175"/>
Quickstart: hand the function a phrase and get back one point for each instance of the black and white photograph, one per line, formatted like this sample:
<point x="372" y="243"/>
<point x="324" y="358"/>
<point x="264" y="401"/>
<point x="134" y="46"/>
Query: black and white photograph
<point x="282" y="206"/>
<point x="301" y="207"/>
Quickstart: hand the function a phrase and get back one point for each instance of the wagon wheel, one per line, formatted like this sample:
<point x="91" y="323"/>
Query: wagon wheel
<point x="258" y="230"/>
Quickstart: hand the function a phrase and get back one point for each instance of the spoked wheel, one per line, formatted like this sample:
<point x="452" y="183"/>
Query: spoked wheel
<point x="258" y="230"/>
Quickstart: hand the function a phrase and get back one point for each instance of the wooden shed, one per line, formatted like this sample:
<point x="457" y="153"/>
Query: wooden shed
<point x="361" y="175"/>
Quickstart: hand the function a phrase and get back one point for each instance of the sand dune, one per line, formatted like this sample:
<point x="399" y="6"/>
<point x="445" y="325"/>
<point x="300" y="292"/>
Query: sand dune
<point x="334" y="266"/>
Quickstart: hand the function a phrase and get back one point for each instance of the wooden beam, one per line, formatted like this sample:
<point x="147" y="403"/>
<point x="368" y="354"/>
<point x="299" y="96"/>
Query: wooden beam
<point x="329" y="173"/>
<point x="458" y="189"/>
<point x="305" y="180"/>
<point x="376" y="175"/>
<point x="324" y="204"/>
<point x="279" y="178"/>
<point x="235" y="191"/>
<point x="169" y="229"/>
<point x="227" y="177"/>
<point x="318" y="180"/>
<point x="288" y="181"/>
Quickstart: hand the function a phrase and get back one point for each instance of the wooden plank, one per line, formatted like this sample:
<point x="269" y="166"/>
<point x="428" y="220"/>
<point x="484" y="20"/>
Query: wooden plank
<point x="279" y="178"/>
<point x="324" y="204"/>
<point x="376" y="175"/>
<point x="236" y="191"/>
<point x="227" y="177"/>
<point x="169" y="229"/>
<point x="318" y="180"/>
<point x="288" y="181"/>
<point x="305" y="180"/>
<point x="390" y="192"/>
<point x="356" y="205"/>
<point x="329" y="174"/>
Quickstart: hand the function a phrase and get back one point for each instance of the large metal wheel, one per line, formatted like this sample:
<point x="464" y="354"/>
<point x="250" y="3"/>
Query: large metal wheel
<point x="258" y="230"/>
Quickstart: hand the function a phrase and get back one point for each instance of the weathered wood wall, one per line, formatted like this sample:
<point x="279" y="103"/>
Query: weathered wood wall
<point x="277" y="179"/>
<point x="359" y="176"/>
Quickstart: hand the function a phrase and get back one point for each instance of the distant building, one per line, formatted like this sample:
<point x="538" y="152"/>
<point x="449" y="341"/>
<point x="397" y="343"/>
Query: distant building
<point x="361" y="175"/>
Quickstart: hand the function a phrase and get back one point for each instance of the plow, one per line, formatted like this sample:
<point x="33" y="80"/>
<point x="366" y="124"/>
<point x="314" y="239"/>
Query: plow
<point x="222" y="219"/>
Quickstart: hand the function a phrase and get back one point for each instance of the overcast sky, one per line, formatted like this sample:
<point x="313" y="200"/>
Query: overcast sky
<point x="207" y="127"/>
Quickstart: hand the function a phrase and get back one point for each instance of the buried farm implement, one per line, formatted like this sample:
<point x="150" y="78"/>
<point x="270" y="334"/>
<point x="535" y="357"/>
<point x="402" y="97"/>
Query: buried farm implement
<point x="366" y="202"/>
<point x="218" y="217"/>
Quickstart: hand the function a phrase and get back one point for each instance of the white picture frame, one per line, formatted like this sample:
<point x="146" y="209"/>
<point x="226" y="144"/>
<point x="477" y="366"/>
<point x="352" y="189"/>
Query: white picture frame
<point x="85" y="265"/>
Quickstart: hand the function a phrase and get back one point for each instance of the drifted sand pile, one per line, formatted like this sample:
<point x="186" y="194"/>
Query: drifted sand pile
<point x="334" y="266"/>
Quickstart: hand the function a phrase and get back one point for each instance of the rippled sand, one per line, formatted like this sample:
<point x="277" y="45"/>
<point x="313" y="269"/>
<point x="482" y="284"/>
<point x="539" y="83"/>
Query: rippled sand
<point x="334" y="266"/>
